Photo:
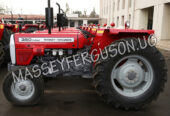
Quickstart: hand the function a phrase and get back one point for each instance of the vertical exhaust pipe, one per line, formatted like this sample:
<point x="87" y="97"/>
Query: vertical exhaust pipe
<point x="49" y="17"/>
<point x="64" y="20"/>
<point x="59" y="16"/>
<point x="59" y="8"/>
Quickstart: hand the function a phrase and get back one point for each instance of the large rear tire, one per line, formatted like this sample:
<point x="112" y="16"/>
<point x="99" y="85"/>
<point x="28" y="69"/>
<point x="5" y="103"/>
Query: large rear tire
<point x="2" y="54"/>
<point x="23" y="91"/>
<point x="132" y="80"/>
<point x="5" y="40"/>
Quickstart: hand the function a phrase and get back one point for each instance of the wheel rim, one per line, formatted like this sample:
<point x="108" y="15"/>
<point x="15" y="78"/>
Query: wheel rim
<point x="23" y="90"/>
<point x="132" y="76"/>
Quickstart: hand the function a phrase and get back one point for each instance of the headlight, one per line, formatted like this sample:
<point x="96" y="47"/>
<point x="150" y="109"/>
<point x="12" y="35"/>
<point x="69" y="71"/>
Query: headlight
<point x="12" y="50"/>
<point x="127" y="25"/>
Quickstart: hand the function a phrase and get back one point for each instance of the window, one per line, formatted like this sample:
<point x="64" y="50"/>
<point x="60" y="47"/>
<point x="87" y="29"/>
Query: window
<point x="118" y="4"/>
<point x="107" y="9"/>
<point x="130" y="3"/>
<point x="117" y="21"/>
<point x="129" y="17"/>
<point x="110" y="5"/>
<point x="113" y="20"/>
<point x="113" y="6"/>
<point x="123" y="21"/>
<point x="123" y="4"/>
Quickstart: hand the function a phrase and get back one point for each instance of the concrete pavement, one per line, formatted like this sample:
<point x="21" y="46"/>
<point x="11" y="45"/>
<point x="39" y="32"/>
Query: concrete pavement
<point x="164" y="44"/>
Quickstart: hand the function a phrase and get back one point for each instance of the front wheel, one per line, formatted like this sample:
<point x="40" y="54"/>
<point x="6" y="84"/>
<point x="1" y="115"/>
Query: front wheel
<point x="23" y="91"/>
<point x="132" y="80"/>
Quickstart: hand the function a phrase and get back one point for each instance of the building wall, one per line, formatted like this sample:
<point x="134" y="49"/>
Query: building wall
<point x="165" y="31"/>
<point x="118" y="11"/>
<point x="142" y="14"/>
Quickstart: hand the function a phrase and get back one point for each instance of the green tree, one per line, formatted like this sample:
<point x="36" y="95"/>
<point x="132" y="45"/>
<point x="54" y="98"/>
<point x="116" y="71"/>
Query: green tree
<point x="93" y="13"/>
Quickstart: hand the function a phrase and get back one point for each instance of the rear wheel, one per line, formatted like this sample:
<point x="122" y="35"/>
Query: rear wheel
<point x="6" y="36"/>
<point x="6" y="39"/>
<point x="132" y="80"/>
<point x="2" y="53"/>
<point x="23" y="91"/>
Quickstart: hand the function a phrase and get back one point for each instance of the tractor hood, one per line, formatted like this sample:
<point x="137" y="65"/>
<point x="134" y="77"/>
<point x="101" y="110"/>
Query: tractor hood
<point x="23" y="47"/>
<point x="44" y="40"/>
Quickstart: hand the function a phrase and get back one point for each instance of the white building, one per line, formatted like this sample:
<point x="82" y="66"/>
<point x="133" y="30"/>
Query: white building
<point x="142" y="14"/>
<point x="74" y="20"/>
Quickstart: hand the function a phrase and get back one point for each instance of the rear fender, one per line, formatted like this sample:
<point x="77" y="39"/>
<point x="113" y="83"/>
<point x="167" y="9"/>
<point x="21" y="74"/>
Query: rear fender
<point x="104" y="37"/>
<point x="25" y="27"/>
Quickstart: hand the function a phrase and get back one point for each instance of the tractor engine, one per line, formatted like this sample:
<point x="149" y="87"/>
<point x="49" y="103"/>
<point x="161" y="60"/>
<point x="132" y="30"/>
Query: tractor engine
<point x="65" y="61"/>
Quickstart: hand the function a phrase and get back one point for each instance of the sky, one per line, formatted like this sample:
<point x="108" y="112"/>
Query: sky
<point x="38" y="6"/>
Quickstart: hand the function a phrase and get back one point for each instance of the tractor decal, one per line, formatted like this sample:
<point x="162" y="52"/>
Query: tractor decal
<point x="46" y="40"/>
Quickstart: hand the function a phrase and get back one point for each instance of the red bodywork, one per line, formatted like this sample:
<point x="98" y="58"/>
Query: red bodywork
<point x="1" y="31"/>
<point x="25" y="52"/>
<point x="12" y="27"/>
<point x="26" y="26"/>
<point x="15" y="27"/>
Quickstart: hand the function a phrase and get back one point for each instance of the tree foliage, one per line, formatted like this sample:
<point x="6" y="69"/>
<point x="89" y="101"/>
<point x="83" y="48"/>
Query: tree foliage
<point x="93" y="13"/>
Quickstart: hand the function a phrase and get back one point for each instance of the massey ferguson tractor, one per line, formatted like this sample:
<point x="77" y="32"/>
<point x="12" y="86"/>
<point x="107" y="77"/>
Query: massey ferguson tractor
<point x="128" y="72"/>
<point x="28" y="28"/>
<point x="20" y="26"/>
<point x="6" y="29"/>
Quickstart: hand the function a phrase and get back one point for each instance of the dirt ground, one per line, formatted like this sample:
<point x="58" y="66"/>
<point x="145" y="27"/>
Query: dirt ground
<point x="75" y="97"/>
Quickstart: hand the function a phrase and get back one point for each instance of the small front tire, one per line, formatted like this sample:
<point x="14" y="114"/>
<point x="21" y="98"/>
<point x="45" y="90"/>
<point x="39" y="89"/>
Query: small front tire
<point x="23" y="91"/>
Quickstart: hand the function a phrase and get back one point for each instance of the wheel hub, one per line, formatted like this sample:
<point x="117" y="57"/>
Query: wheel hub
<point x="22" y="87"/>
<point x="130" y="75"/>
<point x="23" y="90"/>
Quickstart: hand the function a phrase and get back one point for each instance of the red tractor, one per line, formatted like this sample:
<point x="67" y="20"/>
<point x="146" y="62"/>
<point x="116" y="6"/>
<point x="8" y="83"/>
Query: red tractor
<point x="20" y="26"/>
<point x="12" y="27"/>
<point x="128" y="71"/>
<point x="6" y="29"/>
<point x="29" y="28"/>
